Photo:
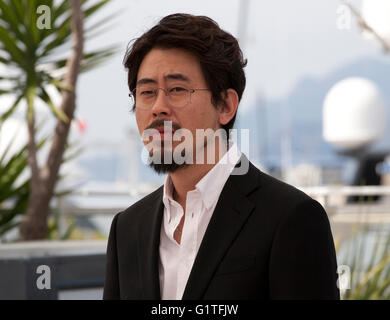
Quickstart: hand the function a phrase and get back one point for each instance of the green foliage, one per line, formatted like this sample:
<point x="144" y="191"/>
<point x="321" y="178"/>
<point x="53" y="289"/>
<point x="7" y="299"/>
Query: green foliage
<point x="367" y="254"/>
<point x="11" y="189"/>
<point x="34" y="57"/>
<point x="35" y="43"/>
<point x="14" y="192"/>
<point x="54" y="228"/>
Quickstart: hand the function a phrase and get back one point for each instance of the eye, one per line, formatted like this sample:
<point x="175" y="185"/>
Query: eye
<point x="146" y="92"/>
<point x="177" y="89"/>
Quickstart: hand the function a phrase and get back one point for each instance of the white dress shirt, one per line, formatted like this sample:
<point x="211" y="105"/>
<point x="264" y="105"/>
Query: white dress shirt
<point x="176" y="260"/>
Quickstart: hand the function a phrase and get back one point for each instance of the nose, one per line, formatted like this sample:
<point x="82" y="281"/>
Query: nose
<point x="161" y="105"/>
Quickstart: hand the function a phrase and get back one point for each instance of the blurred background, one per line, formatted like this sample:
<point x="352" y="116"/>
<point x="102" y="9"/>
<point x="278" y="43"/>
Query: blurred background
<point x="317" y="106"/>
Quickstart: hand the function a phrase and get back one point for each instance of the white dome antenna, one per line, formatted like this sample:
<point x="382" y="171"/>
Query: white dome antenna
<point x="354" y="114"/>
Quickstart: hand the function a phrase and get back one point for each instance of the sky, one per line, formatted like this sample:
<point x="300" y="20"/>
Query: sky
<point x="285" y="41"/>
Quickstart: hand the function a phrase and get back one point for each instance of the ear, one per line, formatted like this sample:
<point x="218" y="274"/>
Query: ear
<point x="228" y="107"/>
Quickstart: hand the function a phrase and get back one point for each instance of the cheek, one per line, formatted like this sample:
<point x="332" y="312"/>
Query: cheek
<point x="200" y="114"/>
<point x="205" y="115"/>
<point x="210" y="118"/>
<point x="141" y="121"/>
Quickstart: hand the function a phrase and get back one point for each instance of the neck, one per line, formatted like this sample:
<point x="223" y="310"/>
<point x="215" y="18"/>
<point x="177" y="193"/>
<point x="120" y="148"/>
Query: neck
<point x="185" y="179"/>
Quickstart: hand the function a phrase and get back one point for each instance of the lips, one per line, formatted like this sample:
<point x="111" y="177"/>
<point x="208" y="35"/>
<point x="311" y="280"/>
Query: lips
<point x="164" y="133"/>
<point x="165" y="130"/>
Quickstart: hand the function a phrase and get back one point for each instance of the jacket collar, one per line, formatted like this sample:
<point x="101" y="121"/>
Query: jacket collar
<point x="232" y="211"/>
<point x="148" y="245"/>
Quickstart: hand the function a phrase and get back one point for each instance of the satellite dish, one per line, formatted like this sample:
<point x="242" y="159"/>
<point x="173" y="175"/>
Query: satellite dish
<point x="353" y="114"/>
<point x="376" y="13"/>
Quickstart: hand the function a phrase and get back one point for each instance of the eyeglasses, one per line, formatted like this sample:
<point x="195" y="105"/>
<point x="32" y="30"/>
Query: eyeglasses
<point x="177" y="96"/>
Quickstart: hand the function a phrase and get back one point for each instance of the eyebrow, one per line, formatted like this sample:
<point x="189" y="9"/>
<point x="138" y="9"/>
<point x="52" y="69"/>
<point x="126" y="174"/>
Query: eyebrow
<point x="171" y="76"/>
<point x="176" y="76"/>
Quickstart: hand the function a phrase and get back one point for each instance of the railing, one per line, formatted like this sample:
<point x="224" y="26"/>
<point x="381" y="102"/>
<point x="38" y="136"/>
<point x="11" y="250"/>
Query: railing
<point x="81" y="265"/>
<point x="332" y="198"/>
<point x="323" y="193"/>
<point x="69" y="266"/>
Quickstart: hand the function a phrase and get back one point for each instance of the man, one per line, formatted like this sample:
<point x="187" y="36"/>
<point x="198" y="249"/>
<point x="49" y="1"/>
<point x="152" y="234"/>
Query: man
<point x="216" y="229"/>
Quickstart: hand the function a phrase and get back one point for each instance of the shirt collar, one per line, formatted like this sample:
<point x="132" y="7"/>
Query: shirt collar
<point x="168" y="190"/>
<point x="211" y="185"/>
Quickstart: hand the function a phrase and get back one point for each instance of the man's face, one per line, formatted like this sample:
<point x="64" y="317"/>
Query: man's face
<point x="167" y="68"/>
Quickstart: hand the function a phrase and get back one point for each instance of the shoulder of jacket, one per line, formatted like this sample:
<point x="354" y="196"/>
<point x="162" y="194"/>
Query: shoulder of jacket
<point x="143" y="203"/>
<point x="282" y="190"/>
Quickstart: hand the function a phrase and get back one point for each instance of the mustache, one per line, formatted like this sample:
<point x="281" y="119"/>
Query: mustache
<point x="160" y="123"/>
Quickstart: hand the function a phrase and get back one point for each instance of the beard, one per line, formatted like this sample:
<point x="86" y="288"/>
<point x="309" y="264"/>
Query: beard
<point x="163" y="166"/>
<point x="165" y="158"/>
<point x="166" y="168"/>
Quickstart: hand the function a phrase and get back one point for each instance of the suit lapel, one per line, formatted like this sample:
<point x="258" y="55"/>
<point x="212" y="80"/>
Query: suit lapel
<point x="148" y="247"/>
<point x="231" y="212"/>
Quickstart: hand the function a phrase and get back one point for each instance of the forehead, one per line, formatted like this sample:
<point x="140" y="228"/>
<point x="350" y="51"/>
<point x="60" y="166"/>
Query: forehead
<point x="161" y="62"/>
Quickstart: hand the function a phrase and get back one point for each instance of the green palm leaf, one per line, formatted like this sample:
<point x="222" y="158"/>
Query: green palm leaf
<point x="25" y="48"/>
<point x="369" y="280"/>
<point x="58" y="112"/>
<point x="33" y="58"/>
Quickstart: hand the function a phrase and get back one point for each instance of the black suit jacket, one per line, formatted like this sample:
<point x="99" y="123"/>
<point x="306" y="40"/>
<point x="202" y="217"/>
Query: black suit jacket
<point x="265" y="240"/>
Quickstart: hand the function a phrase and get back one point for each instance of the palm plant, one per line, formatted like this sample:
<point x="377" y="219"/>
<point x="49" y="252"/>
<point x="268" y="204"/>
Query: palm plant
<point x="12" y="189"/>
<point x="367" y="255"/>
<point x="35" y="57"/>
